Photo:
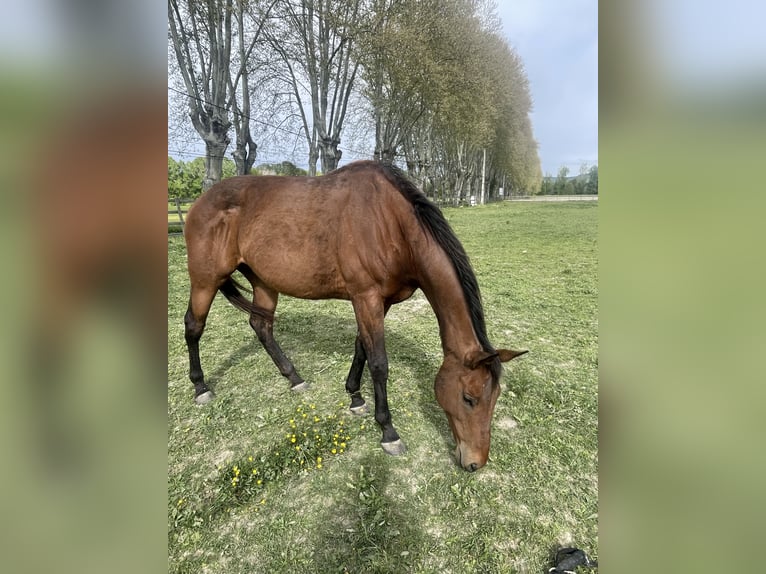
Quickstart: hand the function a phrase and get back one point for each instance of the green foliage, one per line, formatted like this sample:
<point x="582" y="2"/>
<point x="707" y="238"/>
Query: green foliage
<point x="185" y="178"/>
<point x="592" y="184"/>
<point x="466" y="92"/>
<point x="586" y="183"/>
<point x="283" y="168"/>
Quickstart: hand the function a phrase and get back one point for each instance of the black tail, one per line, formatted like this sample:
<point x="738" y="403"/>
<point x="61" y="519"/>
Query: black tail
<point x="233" y="291"/>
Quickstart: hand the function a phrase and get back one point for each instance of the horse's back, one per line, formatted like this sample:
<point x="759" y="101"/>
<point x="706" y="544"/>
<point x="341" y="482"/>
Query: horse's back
<point x="311" y="237"/>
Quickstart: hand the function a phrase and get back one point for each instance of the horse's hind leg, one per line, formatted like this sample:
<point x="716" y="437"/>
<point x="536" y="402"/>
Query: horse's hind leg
<point x="354" y="379"/>
<point x="265" y="300"/>
<point x="194" y="322"/>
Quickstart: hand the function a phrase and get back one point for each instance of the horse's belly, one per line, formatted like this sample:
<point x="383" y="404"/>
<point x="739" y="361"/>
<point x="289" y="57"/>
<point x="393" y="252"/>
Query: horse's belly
<point x="303" y="281"/>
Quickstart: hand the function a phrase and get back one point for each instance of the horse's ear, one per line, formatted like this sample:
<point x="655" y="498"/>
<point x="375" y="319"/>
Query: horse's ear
<point x="476" y="359"/>
<point x="508" y="354"/>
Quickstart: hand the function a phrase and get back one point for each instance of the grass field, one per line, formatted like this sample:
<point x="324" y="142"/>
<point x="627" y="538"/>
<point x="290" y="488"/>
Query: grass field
<point x="248" y="492"/>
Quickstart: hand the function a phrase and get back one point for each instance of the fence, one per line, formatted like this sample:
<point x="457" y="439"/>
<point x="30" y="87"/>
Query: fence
<point x="177" y="210"/>
<point x="552" y="197"/>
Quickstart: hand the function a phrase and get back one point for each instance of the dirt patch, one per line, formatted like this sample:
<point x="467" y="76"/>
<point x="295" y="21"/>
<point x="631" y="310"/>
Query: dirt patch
<point x="507" y="423"/>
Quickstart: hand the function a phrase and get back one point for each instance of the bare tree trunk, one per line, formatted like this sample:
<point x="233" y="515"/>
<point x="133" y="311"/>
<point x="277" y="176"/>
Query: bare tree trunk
<point x="201" y="37"/>
<point x="245" y="148"/>
<point x="385" y="145"/>
<point x="330" y="154"/>
<point x="313" y="156"/>
<point x="214" y="153"/>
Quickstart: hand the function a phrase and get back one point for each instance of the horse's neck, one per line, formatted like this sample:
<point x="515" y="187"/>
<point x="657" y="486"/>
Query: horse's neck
<point x="441" y="286"/>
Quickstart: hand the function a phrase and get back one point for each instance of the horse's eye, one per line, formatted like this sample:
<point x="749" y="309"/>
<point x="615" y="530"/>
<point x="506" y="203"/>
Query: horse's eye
<point x="469" y="400"/>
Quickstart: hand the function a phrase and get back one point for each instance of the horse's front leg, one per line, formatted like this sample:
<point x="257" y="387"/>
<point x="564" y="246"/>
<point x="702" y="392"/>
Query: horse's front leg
<point x="354" y="379"/>
<point x="369" y="316"/>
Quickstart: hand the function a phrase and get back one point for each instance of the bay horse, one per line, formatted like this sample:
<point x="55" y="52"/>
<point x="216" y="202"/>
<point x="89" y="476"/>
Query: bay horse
<point x="363" y="233"/>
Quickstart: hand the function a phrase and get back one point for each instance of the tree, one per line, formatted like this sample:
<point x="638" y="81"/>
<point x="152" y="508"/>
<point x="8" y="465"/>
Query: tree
<point x="217" y="79"/>
<point x="314" y="41"/>
<point x="563" y="184"/>
<point x="547" y="186"/>
<point x="396" y="52"/>
<point x="200" y="32"/>
<point x="185" y="179"/>
<point x="283" y="168"/>
<point x="514" y="149"/>
<point x="592" y="184"/>
<point x="469" y="95"/>
<point x="245" y="148"/>
<point x="441" y="87"/>
<point x="175" y="182"/>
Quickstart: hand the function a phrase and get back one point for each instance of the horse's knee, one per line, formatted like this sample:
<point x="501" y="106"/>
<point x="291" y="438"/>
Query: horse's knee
<point x="193" y="326"/>
<point x="378" y="369"/>
<point x="260" y="325"/>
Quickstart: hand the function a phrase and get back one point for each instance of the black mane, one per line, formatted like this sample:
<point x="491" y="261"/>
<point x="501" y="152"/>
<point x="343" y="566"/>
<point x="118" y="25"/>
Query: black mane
<point x="432" y="219"/>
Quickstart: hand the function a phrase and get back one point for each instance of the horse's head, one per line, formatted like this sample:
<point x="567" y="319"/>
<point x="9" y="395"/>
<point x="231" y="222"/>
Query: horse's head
<point x="467" y="390"/>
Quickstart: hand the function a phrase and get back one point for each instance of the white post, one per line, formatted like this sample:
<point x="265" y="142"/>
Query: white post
<point x="483" y="171"/>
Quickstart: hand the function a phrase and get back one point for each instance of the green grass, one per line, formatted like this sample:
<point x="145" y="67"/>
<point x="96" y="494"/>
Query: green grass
<point x="364" y="511"/>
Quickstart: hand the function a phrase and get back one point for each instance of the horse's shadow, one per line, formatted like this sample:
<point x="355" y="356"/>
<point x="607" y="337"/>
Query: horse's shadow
<point x="325" y="335"/>
<point x="367" y="530"/>
<point x="400" y="347"/>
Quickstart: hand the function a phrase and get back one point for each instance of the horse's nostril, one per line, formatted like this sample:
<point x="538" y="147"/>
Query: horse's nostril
<point x="473" y="466"/>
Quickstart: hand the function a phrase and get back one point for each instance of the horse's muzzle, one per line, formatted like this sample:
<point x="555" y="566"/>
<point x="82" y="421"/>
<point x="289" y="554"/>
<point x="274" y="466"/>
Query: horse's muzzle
<point x="472" y="466"/>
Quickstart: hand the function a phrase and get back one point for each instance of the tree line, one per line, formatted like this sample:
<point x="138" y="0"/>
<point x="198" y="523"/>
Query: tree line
<point x="433" y="82"/>
<point x="585" y="183"/>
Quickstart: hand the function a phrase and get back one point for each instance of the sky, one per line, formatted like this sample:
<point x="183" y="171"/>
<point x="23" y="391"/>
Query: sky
<point x="705" y="46"/>
<point x="558" y="43"/>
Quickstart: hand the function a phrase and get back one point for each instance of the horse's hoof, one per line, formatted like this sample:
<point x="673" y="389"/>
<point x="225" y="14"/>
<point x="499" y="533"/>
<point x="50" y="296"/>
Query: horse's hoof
<point x="394" y="448"/>
<point x="204" y="398"/>
<point x="361" y="410"/>
<point x="300" y="387"/>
